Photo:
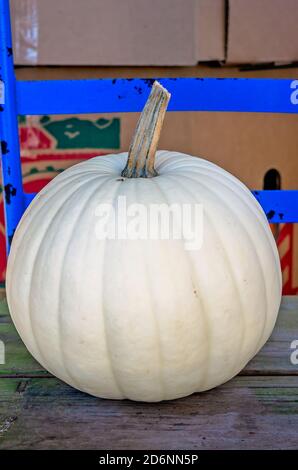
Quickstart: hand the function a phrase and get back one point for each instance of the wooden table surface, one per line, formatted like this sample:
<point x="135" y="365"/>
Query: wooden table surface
<point x="256" y="410"/>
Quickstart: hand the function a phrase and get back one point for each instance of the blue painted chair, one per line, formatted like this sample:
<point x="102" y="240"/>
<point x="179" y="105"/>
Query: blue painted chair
<point x="126" y="95"/>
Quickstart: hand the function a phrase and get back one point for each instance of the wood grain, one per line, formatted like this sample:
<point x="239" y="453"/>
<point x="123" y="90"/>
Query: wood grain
<point x="257" y="410"/>
<point x="247" y="413"/>
<point x="274" y="357"/>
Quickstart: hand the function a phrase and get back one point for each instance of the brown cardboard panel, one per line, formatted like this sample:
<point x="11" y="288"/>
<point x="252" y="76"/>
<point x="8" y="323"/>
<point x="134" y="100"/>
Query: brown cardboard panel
<point x="262" y="31"/>
<point x="64" y="73"/>
<point x="117" y="32"/>
<point x="210" y="30"/>
<point x="105" y="32"/>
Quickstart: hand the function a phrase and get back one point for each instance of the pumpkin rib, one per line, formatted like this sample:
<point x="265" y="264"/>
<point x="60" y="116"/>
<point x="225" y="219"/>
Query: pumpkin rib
<point x="253" y="245"/>
<point x="23" y="240"/>
<point x="159" y="345"/>
<point x="115" y="196"/>
<point x="112" y="164"/>
<point x="198" y="163"/>
<point x="225" y="254"/>
<point x="198" y="299"/>
<point x="103" y="165"/>
<point x="157" y="326"/>
<point x="60" y="271"/>
<point x="120" y="392"/>
<point x="212" y="168"/>
<point x="28" y="221"/>
<point x="269" y="239"/>
<point x="65" y="254"/>
<point x="244" y="231"/>
<point x="66" y="176"/>
<point x="171" y="159"/>
<point x="45" y="191"/>
<point x="175" y="161"/>
<point x="165" y="196"/>
<point x="31" y="293"/>
<point x="255" y="207"/>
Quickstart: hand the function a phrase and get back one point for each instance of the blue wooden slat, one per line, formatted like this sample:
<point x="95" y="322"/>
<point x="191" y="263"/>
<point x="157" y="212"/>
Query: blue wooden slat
<point x="129" y="95"/>
<point x="279" y="205"/>
<point x="10" y="149"/>
<point x="28" y="197"/>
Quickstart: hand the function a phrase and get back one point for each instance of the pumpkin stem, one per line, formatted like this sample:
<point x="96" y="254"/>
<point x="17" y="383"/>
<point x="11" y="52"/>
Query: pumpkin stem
<point x="141" y="155"/>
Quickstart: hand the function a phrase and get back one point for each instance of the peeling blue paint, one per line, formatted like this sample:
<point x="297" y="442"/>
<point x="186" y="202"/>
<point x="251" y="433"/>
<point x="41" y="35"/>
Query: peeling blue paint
<point x="10" y="237"/>
<point x="10" y="191"/>
<point x="149" y="81"/>
<point x="4" y="147"/>
<point x="270" y="214"/>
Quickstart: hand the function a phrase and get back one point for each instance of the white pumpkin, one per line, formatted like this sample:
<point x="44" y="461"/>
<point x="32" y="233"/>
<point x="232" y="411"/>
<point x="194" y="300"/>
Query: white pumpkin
<point x="144" y="319"/>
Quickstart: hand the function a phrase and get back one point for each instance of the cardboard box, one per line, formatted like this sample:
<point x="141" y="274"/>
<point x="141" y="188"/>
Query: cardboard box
<point x="156" y="32"/>
<point x="210" y="30"/>
<point x="103" y="32"/>
<point x="117" y="32"/>
<point x="262" y="31"/>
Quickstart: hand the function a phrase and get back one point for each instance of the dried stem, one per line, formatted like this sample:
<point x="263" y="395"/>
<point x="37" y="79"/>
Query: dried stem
<point x="141" y="155"/>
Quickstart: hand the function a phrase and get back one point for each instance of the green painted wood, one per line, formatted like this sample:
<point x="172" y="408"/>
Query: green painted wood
<point x="245" y="413"/>
<point x="18" y="360"/>
<point x="273" y="359"/>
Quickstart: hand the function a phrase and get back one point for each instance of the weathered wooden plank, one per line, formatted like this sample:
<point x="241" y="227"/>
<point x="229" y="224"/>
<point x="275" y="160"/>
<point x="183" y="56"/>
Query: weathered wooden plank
<point x="122" y="95"/>
<point x="273" y="359"/>
<point x="2" y="292"/>
<point x="4" y="313"/>
<point x="246" y="413"/>
<point x="18" y="360"/>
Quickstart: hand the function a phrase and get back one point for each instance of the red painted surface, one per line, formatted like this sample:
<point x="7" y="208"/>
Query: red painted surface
<point x="286" y="234"/>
